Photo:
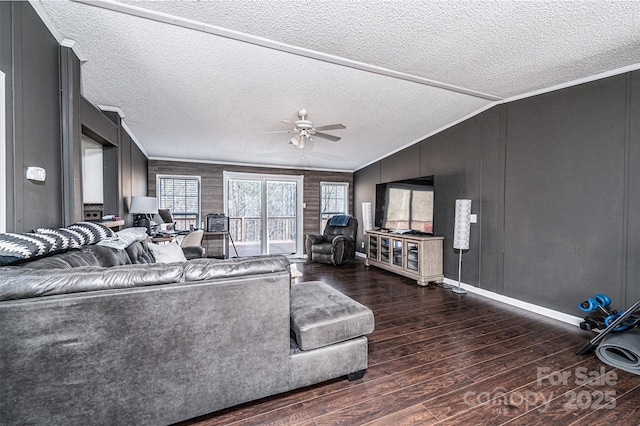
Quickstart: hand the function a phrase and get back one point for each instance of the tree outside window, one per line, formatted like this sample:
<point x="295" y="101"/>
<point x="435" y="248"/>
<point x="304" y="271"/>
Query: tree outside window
<point x="334" y="199"/>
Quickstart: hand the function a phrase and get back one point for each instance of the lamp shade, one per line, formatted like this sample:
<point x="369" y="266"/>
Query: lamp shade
<point x="462" y="227"/>
<point x="143" y="205"/>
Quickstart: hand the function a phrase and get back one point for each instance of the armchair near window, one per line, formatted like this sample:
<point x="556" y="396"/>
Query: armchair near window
<point x="192" y="245"/>
<point x="337" y="244"/>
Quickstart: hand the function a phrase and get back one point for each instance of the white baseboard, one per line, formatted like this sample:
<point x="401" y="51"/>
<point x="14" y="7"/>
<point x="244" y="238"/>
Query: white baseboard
<point x="550" y="313"/>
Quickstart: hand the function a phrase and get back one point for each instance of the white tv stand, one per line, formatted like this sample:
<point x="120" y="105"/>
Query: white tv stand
<point x="410" y="255"/>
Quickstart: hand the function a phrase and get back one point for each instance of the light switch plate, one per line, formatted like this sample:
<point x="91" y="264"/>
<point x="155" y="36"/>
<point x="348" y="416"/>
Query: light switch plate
<point x="36" y="173"/>
<point x="473" y="218"/>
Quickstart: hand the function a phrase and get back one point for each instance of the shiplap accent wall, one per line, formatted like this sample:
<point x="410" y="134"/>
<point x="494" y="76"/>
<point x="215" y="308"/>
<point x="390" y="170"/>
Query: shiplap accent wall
<point x="212" y="184"/>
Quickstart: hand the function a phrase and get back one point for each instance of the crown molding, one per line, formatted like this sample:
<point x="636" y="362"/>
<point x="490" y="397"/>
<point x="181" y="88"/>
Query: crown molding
<point x="124" y="125"/>
<point x="115" y="109"/>
<point x="576" y="82"/>
<point x="135" y="139"/>
<point x="62" y="41"/>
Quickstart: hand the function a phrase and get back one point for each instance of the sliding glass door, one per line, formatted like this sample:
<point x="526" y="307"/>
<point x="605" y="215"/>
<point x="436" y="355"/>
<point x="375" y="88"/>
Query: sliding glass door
<point x="281" y="217"/>
<point x="265" y="213"/>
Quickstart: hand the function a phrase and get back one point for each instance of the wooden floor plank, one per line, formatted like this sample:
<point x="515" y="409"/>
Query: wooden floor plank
<point x="625" y="411"/>
<point x="436" y="357"/>
<point x="414" y="415"/>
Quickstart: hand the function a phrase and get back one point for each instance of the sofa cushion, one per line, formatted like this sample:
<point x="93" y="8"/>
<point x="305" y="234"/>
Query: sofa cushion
<point x="207" y="269"/>
<point x="321" y="316"/>
<point x="69" y="238"/>
<point x="15" y="248"/>
<point x="139" y="253"/>
<point x="69" y="259"/>
<point x="167" y="253"/>
<point x="19" y="247"/>
<point x="106" y="256"/>
<point x="21" y="283"/>
<point x="92" y="255"/>
<point x="91" y="232"/>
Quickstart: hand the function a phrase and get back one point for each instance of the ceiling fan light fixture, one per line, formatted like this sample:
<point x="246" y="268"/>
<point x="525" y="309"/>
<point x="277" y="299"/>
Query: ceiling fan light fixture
<point x="297" y="141"/>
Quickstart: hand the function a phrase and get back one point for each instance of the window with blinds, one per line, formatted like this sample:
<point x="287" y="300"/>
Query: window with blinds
<point x="334" y="199"/>
<point x="181" y="195"/>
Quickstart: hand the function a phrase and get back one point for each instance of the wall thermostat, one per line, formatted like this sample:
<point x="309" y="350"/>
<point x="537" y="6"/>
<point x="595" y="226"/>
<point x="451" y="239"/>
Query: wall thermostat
<point x="36" y="173"/>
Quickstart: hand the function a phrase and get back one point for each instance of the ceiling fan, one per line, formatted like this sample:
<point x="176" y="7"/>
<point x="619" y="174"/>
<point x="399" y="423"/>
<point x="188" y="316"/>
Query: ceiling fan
<point x="303" y="130"/>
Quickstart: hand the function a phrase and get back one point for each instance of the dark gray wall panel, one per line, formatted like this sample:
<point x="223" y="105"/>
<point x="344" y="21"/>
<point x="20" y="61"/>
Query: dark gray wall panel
<point x="139" y="171"/>
<point x="364" y="183"/>
<point x="45" y="116"/>
<point x="401" y="165"/>
<point x="564" y="195"/>
<point x="134" y="176"/>
<point x="139" y="164"/>
<point x="96" y="124"/>
<point x="70" y="136"/>
<point x="113" y="170"/>
<point x="490" y="204"/>
<point x="125" y="162"/>
<point x="554" y="182"/>
<point x="37" y="120"/>
<point x="454" y="158"/>
<point x="632" y="289"/>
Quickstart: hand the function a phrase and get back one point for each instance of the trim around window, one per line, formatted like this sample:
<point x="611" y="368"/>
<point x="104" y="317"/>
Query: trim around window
<point x="334" y="199"/>
<point x="185" y="207"/>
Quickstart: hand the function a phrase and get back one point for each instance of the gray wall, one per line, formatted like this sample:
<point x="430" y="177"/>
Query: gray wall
<point x="43" y="127"/>
<point x="125" y="171"/>
<point x="553" y="179"/>
<point x="29" y="57"/>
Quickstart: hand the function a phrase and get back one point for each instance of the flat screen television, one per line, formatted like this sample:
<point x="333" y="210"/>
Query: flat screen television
<point x="405" y="205"/>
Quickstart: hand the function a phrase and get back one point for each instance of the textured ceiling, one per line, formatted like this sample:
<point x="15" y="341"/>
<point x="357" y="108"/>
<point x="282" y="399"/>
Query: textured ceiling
<point x="199" y="80"/>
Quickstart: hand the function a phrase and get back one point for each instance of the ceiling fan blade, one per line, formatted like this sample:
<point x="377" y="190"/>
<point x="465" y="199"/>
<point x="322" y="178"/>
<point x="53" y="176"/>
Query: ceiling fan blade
<point x="327" y="136"/>
<point x="279" y="131"/>
<point x="289" y="122"/>
<point x="332" y="127"/>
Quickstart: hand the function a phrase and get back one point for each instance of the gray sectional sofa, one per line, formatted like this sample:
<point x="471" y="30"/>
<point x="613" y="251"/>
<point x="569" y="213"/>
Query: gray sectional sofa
<point x="97" y="335"/>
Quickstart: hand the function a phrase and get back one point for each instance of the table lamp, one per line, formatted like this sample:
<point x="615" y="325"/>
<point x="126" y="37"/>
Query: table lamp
<point x="144" y="208"/>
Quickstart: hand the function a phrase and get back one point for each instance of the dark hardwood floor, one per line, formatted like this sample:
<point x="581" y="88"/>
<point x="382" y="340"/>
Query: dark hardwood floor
<point x="439" y="358"/>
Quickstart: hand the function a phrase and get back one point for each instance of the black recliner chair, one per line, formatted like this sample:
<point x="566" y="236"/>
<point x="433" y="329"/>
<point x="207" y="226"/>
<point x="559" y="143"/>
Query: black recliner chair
<point x="337" y="244"/>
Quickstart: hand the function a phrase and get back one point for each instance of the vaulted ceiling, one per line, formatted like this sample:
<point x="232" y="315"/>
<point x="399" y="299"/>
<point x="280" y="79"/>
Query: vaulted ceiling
<point x="204" y="80"/>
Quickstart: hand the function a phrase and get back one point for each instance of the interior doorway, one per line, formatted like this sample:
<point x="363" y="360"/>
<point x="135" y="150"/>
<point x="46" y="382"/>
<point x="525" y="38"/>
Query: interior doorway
<point x="265" y="213"/>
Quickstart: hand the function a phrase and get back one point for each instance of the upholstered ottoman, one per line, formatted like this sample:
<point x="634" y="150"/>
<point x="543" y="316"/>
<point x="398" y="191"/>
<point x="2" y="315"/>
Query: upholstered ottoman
<point x="328" y="330"/>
